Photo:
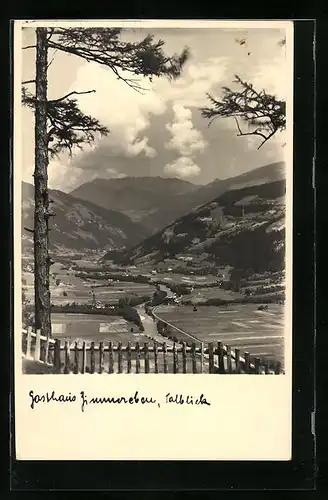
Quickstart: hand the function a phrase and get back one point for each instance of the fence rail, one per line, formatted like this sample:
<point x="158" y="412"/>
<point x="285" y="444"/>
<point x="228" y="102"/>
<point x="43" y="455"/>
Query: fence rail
<point x="149" y="357"/>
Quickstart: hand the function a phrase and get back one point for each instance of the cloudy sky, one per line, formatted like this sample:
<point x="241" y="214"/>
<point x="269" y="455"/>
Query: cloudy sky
<point x="162" y="132"/>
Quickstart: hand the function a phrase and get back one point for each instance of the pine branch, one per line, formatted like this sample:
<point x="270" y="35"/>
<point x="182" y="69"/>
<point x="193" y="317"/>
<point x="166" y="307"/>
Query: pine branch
<point x="50" y="261"/>
<point x="53" y="101"/>
<point x="51" y="32"/>
<point x="254" y="132"/>
<point x="240" y="132"/>
<point x="68" y="127"/>
<point x="104" y="46"/>
<point x="49" y="214"/>
<point x="257" y="109"/>
<point x="28" y="81"/>
<point x="52" y="59"/>
<point x="27" y="98"/>
<point x="266" y="139"/>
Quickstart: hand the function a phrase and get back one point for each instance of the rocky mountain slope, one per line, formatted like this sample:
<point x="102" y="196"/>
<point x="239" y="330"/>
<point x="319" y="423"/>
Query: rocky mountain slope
<point x="80" y="224"/>
<point x="156" y="202"/>
<point x="243" y="228"/>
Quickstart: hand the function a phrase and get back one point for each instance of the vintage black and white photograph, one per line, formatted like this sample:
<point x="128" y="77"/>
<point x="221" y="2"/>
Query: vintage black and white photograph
<point x="154" y="199"/>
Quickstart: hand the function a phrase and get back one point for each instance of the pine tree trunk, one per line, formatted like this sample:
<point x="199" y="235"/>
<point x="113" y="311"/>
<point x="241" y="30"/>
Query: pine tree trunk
<point x="41" y="197"/>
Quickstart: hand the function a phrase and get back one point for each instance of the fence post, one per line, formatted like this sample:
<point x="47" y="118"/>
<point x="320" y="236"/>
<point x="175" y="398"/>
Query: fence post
<point x="210" y="358"/>
<point x="137" y="357"/>
<point x="119" y="357"/>
<point x="57" y="362"/>
<point x="247" y="363"/>
<point x="221" y="358"/>
<point x="128" y="350"/>
<point x="237" y="360"/>
<point x="202" y="357"/>
<point x="37" y="349"/>
<point x="266" y="368"/>
<point x="193" y="357"/>
<point x="110" y="358"/>
<point x="177" y="356"/>
<point x="92" y="358"/>
<point x="67" y="357"/>
<point x="84" y="357"/>
<point x="164" y="357"/>
<point x="101" y="357"/>
<point x="29" y="340"/>
<point x="76" y="359"/>
<point x="156" y="356"/>
<point x="277" y="369"/>
<point x="146" y="357"/>
<point x="257" y="363"/>
<point x="175" y="359"/>
<point x="46" y="350"/>
<point x="229" y="364"/>
<point x="184" y="358"/>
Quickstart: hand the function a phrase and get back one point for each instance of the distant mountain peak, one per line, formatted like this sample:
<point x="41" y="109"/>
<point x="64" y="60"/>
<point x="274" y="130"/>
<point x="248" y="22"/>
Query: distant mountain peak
<point x="137" y="178"/>
<point x="137" y="197"/>
<point x="157" y="201"/>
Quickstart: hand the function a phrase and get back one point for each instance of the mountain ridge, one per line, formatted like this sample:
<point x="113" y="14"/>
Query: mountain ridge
<point x="134" y="196"/>
<point x="79" y="224"/>
<point x="152" y="206"/>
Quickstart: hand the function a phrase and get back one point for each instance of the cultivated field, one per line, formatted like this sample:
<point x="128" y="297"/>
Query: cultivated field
<point x="74" y="289"/>
<point x="94" y="328"/>
<point x="170" y="277"/>
<point x="186" y="280"/>
<point x="243" y="326"/>
<point x="200" y="295"/>
<point x="120" y="287"/>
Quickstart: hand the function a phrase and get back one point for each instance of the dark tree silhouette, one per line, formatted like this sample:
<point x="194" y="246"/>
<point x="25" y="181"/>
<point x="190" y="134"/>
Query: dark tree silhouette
<point x="60" y="125"/>
<point x="264" y="114"/>
<point x="67" y="125"/>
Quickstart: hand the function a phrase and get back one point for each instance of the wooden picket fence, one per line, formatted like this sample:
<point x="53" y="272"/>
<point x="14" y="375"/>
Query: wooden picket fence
<point x="149" y="357"/>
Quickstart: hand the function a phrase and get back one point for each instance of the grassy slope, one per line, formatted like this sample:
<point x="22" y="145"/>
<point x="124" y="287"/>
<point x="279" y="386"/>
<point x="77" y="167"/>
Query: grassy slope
<point x="251" y="241"/>
<point x="80" y="224"/>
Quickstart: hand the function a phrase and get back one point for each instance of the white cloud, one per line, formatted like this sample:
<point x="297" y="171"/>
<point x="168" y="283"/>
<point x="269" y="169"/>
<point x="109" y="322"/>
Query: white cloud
<point x="112" y="173"/>
<point x="197" y="80"/>
<point x="124" y="111"/>
<point x="74" y="175"/>
<point x="57" y="171"/>
<point x="272" y="76"/>
<point x="213" y="69"/>
<point x="186" y="140"/>
<point x="127" y="114"/>
<point x="181" y="113"/>
<point x="141" y="146"/>
<point x="182" y="167"/>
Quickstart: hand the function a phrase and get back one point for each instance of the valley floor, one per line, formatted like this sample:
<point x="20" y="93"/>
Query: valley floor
<point x="242" y="326"/>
